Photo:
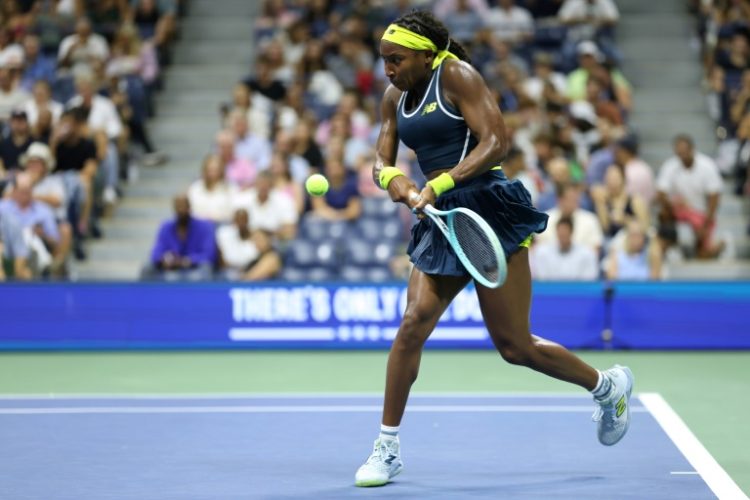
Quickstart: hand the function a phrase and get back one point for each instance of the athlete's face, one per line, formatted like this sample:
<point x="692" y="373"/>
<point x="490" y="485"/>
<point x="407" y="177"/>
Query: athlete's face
<point x="405" y="68"/>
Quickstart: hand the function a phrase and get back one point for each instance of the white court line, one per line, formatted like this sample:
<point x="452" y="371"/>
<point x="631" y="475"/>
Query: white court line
<point x="684" y="473"/>
<point x="296" y="409"/>
<point x="717" y="478"/>
<point x="293" y="395"/>
<point x="83" y="410"/>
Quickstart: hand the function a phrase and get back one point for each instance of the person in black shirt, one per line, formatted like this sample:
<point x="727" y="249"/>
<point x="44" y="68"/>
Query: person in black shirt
<point x="264" y="82"/>
<point x="16" y="144"/>
<point x="76" y="160"/>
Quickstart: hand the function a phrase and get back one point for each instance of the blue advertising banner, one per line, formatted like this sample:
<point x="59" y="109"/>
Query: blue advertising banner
<point x="346" y="316"/>
<point x="143" y="315"/>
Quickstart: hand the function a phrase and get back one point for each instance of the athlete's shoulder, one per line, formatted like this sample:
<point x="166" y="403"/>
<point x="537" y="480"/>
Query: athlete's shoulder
<point x="392" y="95"/>
<point x="458" y="71"/>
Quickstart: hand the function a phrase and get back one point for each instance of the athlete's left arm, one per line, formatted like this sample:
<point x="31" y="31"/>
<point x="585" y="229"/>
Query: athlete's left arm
<point x="465" y="88"/>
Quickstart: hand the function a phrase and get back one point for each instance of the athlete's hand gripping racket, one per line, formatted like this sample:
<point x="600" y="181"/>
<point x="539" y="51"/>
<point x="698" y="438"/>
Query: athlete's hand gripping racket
<point x="475" y="243"/>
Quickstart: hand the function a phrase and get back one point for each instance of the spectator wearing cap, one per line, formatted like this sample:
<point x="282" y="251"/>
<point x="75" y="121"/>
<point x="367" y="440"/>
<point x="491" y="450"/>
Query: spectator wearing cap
<point x="689" y="190"/>
<point x="49" y="189"/>
<point x="639" y="176"/>
<point x="14" y="252"/>
<point x="591" y="63"/>
<point x="185" y="247"/>
<point x="35" y="218"/>
<point x="17" y="142"/>
<point x="83" y="50"/>
<point x="564" y="259"/>
<point x="12" y="95"/>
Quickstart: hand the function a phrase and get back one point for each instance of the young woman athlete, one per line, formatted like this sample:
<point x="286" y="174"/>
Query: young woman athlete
<point x="439" y="106"/>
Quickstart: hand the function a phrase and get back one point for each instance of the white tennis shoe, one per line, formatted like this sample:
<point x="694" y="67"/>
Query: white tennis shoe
<point x="613" y="413"/>
<point x="384" y="463"/>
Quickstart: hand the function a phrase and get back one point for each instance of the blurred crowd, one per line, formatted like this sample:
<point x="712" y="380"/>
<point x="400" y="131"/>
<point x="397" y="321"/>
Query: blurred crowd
<point x="77" y="81"/>
<point x="310" y="104"/>
<point x="723" y="29"/>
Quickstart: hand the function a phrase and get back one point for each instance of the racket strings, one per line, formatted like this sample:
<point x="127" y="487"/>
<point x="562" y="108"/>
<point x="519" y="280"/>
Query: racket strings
<point x="476" y="245"/>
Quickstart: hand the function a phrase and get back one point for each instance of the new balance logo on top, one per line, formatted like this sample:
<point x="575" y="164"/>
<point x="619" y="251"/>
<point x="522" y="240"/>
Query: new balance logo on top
<point x="621" y="405"/>
<point x="429" y="108"/>
<point x="390" y="459"/>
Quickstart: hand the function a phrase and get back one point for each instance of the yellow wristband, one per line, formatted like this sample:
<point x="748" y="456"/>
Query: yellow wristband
<point x="387" y="174"/>
<point x="441" y="183"/>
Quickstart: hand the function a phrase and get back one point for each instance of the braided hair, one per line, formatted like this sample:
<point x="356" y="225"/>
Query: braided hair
<point x="424" y="23"/>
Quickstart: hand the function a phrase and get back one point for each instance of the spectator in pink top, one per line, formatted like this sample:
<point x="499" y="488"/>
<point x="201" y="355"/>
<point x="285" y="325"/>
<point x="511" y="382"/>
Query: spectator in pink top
<point x="639" y="176"/>
<point x="239" y="171"/>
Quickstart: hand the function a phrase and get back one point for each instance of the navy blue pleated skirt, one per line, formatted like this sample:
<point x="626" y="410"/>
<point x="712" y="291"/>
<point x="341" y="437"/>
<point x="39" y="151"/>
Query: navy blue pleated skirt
<point x="504" y="204"/>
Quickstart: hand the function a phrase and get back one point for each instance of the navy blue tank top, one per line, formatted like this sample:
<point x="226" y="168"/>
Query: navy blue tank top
<point x="434" y="129"/>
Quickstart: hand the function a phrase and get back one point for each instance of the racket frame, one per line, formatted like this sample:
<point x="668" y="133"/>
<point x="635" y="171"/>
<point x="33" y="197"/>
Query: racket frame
<point x="446" y="227"/>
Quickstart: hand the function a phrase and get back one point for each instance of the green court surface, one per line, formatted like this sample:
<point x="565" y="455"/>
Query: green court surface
<point x="709" y="390"/>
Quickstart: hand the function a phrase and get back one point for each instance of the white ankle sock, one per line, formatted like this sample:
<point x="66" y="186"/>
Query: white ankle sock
<point x="388" y="432"/>
<point x="603" y="386"/>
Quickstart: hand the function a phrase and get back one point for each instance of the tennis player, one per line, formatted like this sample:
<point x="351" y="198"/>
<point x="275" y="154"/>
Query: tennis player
<point x="439" y="106"/>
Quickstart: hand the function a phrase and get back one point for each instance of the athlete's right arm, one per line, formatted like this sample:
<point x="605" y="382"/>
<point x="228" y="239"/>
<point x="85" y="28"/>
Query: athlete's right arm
<point x="400" y="188"/>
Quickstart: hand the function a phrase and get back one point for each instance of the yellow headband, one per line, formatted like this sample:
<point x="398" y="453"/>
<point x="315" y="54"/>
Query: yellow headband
<point x="407" y="38"/>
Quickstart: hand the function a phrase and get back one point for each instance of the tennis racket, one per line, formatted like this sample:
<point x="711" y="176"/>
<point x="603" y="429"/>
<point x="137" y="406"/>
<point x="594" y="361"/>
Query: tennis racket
<point x="475" y="243"/>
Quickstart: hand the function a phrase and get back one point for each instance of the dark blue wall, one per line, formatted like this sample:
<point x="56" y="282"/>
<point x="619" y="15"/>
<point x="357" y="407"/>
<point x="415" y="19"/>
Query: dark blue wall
<point x="221" y="315"/>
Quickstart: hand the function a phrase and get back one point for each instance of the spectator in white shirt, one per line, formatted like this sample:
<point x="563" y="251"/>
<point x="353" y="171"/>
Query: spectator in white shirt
<point x="586" y="228"/>
<point x="84" y="49"/>
<point x="545" y="84"/>
<point x="244" y="254"/>
<point x="211" y="196"/>
<point x="689" y="186"/>
<point x="270" y="210"/>
<point x="510" y="23"/>
<point x="563" y="259"/>
<point x="42" y="101"/>
<point x="12" y="96"/>
<point x="585" y="18"/>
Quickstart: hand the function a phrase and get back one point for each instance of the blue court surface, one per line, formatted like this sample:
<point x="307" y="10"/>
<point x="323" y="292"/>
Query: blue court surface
<point x="275" y="447"/>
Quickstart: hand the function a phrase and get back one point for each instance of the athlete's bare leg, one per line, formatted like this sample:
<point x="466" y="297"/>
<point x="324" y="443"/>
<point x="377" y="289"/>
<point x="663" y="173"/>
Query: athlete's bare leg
<point x="506" y="314"/>
<point x="427" y="298"/>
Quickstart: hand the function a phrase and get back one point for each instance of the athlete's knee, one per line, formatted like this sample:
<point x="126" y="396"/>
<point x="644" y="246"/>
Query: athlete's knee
<point x="517" y="353"/>
<point x="414" y="329"/>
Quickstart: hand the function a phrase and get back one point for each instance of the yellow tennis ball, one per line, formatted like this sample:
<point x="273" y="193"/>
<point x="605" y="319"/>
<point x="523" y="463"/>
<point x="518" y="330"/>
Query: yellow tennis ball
<point x="316" y="185"/>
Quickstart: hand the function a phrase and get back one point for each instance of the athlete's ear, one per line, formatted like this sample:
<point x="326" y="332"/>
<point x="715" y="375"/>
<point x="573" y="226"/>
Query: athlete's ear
<point x="428" y="58"/>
